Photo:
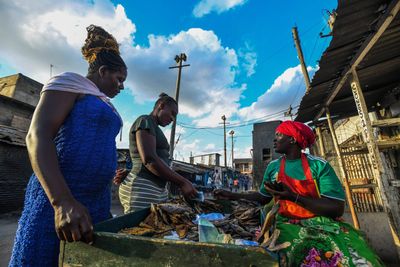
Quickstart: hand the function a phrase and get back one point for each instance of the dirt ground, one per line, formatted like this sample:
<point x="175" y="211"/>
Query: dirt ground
<point x="8" y="227"/>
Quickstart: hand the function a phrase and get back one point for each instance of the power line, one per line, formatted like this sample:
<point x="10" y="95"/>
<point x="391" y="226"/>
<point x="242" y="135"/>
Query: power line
<point x="184" y="137"/>
<point x="236" y="136"/>
<point x="297" y="91"/>
<point x="286" y="44"/>
<point x="241" y="124"/>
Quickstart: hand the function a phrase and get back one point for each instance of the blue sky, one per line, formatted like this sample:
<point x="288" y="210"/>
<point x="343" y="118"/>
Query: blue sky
<point x="243" y="60"/>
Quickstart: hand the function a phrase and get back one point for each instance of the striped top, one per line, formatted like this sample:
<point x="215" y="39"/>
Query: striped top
<point x="137" y="193"/>
<point x="146" y="122"/>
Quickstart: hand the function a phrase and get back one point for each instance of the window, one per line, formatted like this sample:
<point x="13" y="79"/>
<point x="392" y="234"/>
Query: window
<point x="266" y="154"/>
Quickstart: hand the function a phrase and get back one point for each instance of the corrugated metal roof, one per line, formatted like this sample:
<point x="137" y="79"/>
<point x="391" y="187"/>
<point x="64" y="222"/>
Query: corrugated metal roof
<point x="378" y="71"/>
<point x="190" y="168"/>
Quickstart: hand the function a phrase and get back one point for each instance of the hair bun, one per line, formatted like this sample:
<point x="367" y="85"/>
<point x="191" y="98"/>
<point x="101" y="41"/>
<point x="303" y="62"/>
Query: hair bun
<point x="163" y="95"/>
<point x="98" y="40"/>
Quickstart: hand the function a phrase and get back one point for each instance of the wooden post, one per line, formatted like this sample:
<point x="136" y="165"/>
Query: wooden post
<point x="320" y="142"/>
<point x="301" y="58"/>
<point x="343" y="171"/>
<point x="383" y="175"/>
<point x="232" y="132"/>
<point x="224" y="119"/>
<point x="179" y="60"/>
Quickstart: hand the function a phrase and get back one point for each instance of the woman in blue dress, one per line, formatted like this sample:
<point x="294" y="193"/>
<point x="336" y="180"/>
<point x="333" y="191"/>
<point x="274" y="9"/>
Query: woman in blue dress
<point x="71" y="144"/>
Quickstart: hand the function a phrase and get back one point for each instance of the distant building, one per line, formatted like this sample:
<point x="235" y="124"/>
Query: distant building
<point x="244" y="166"/>
<point x="263" y="149"/>
<point x="19" y="96"/>
<point x="212" y="159"/>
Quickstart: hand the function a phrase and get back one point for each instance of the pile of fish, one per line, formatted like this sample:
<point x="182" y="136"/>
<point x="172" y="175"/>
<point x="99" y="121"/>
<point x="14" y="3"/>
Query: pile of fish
<point x="243" y="222"/>
<point x="178" y="215"/>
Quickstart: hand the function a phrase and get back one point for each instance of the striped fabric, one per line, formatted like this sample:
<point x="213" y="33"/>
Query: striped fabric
<point x="137" y="193"/>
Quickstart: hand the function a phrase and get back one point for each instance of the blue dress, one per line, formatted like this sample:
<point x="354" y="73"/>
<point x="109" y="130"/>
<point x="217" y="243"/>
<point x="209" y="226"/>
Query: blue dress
<point x="87" y="157"/>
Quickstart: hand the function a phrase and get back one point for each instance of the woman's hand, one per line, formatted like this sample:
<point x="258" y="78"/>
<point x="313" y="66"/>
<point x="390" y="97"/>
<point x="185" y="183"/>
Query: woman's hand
<point x="73" y="222"/>
<point x="222" y="194"/>
<point x="188" y="189"/>
<point x="120" y="176"/>
<point x="280" y="191"/>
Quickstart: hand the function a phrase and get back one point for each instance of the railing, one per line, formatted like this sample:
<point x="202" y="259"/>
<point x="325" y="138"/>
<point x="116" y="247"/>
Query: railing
<point x="359" y="171"/>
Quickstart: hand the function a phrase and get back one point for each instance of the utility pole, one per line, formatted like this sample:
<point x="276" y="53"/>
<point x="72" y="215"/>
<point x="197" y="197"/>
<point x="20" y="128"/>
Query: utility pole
<point x="224" y="122"/>
<point x="301" y="58"/>
<point x="179" y="59"/>
<point x="232" y="132"/>
<point x="288" y="113"/>
<point x="51" y="70"/>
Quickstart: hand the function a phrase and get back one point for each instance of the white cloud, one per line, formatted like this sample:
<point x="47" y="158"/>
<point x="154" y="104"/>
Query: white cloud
<point x="53" y="34"/>
<point x="207" y="87"/>
<point x="124" y="143"/>
<point x="243" y="153"/>
<point x="42" y="33"/>
<point x="196" y="147"/>
<point x="179" y="132"/>
<point x="222" y="102"/>
<point x="249" y="59"/>
<point x="209" y="148"/>
<point x="205" y="7"/>
<point x="287" y="89"/>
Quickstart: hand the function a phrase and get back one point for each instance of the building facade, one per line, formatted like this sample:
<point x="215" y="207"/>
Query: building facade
<point x="212" y="159"/>
<point x="19" y="96"/>
<point x="263" y="148"/>
<point x="244" y="166"/>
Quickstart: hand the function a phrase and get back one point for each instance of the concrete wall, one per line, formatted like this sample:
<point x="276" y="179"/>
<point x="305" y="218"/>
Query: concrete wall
<point x="242" y="168"/>
<point x="375" y="226"/>
<point x="18" y="97"/>
<point x="14" y="113"/>
<point x="21" y="88"/>
<point x="263" y="138"/>
<point x="8" y="84"/>
<point x="207" y="159"/>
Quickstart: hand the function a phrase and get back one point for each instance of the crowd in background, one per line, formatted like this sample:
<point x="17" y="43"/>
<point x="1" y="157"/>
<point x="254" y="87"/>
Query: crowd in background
<point x="235" y="182"/>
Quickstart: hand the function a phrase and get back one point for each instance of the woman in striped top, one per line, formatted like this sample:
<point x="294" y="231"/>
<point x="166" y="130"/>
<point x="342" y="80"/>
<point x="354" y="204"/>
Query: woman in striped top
<point x="149" y="151"/>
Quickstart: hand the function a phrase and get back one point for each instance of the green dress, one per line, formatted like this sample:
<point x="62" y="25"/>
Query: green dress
<point x="319" y="241"/>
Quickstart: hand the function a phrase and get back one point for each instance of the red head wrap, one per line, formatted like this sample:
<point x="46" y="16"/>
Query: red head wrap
<point x="303" y="134"/>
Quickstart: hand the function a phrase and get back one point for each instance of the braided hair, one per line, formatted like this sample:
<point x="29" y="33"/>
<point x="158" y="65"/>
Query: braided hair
<point x="101" y="49"/>
<point x="165" y="99"/>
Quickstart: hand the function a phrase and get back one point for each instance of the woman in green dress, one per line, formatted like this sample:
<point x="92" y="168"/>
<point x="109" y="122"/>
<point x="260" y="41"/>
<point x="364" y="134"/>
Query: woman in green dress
<point x="303" y="223"/>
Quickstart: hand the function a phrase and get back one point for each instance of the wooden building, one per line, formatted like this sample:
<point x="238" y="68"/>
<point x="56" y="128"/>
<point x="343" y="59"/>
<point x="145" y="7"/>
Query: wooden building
<point x="18" y="97"/>
<point x="353" y="102"/>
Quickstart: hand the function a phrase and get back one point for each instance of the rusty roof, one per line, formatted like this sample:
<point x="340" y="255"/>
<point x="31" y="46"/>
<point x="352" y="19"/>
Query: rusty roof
<point x="379" y="71"/>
